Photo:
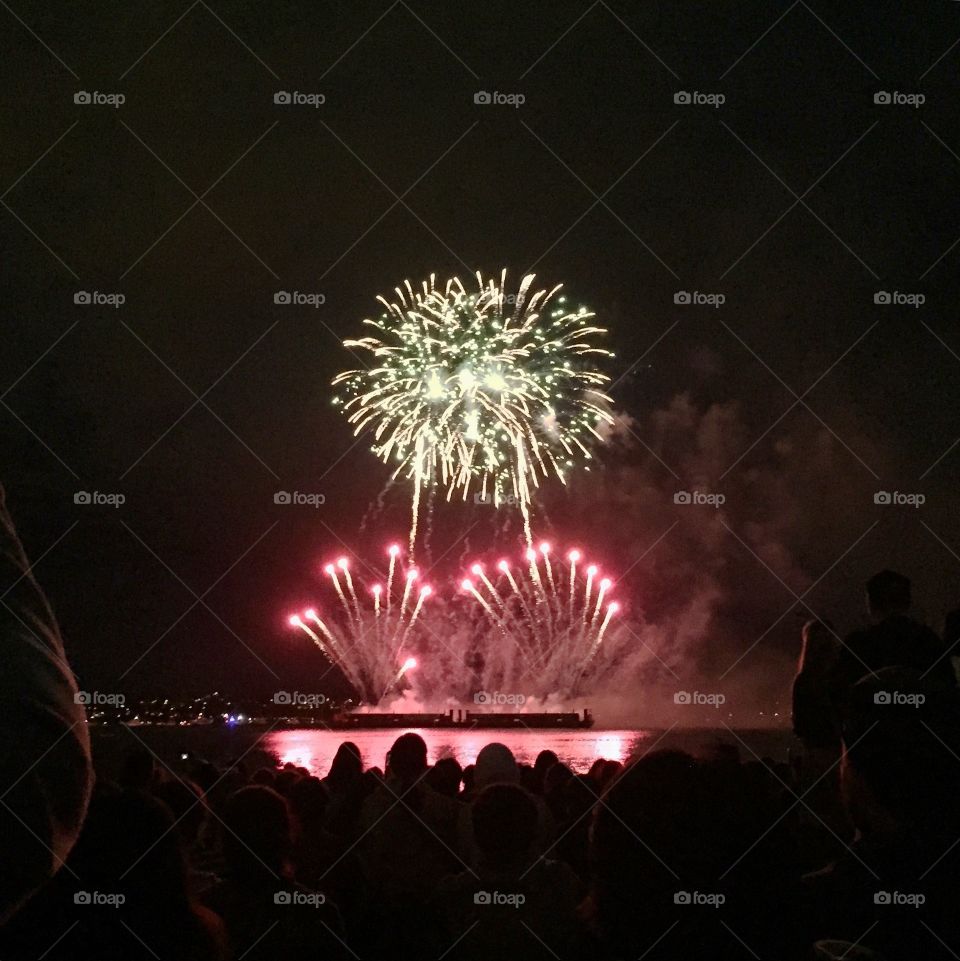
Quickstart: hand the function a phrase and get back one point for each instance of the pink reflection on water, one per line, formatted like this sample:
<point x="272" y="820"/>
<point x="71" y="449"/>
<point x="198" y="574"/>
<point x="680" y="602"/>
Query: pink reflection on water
<point x="314" y="749"/>
<point x="610" y="747"/>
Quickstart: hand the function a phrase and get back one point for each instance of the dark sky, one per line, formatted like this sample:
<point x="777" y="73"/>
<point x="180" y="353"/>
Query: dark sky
<point x="198" y="198"/>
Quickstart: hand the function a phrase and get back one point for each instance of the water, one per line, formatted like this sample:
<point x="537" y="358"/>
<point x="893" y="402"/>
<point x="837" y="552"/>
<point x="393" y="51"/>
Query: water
<point x="314" y="748"/>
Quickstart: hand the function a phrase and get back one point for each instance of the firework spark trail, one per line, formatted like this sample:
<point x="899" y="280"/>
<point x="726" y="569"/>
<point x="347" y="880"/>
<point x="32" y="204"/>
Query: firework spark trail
<point x="366" y="639"/>
<point x="467" y="392"/>
<point x="541" y="601"/>
<point x="499" y="619"/>
<point x="393" y="550"/>
<point x="556" y="637"/>
<point x="554" y="623"/>
<point x="295" y="621"/>
<point x="574" y="557"/>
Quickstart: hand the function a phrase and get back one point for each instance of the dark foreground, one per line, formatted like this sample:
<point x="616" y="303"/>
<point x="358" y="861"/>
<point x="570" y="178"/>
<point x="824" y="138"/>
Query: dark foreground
<point x="743" y="851"/>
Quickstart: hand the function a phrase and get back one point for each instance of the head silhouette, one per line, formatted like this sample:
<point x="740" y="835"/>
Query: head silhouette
<point x="347" y="765"/>
<point x="496" y="765"/>
<point x="257" y="839"/>
<point x="820" y="648"/>
<point x="408" y="758"/>
<point x="888" y="593"/>
<point x="504" y="823"/>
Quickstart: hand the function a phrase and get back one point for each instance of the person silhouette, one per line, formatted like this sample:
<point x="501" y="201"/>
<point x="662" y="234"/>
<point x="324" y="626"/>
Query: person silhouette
<point x="45" y="768"/>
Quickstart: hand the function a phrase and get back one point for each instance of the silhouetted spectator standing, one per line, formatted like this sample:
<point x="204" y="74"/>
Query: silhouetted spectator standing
<point x="269" y="915"/>
<point x="45" y="771"/>
<point x="123" y="894"/>
<point x="324" y="860"/>
<point x="816" y="722"/>
<point x="130" y="845"/>
<point x="515" y="904"/>
<point x="679" y="863"/>
<point x="497" y="765"/>
<point x="816" y="718"/>
<point x="189" y="808"/>
<point x="445" y="776"/>
<point x="894" y="888"/>
<point x="895" y="639"/>
<point x="545" y="760"/>
<point x="408" y="828"/>
<point x="408" y="845"/>
<point x="346" y="789"/>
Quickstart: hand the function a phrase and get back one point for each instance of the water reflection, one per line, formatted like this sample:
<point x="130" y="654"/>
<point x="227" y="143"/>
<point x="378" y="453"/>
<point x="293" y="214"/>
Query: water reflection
<point x="314" y="749"/>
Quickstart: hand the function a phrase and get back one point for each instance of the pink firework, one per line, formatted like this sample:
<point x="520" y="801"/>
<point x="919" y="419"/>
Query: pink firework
<point x="370" y="625"/>
<point x="547" y="615"/>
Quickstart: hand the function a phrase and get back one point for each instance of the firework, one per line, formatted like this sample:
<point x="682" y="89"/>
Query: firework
<point x="478" y="390"/>
<point x="542" y="624"/>
<point x="546" y="620"/>
<point x="370" y="628"/>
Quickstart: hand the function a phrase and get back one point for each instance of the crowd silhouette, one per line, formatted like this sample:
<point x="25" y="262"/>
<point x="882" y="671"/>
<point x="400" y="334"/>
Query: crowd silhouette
<point x="849" y="850"/>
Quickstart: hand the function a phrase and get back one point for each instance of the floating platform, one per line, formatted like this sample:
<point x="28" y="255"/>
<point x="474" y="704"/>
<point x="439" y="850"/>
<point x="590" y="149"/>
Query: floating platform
<point x="461" y="720"/>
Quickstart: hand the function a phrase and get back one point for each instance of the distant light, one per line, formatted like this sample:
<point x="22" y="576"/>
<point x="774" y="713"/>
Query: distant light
<point x="329" y="568"/>
<point x="295" y="620"/>
<point x="613" y="607"/>
<point x="410" y="663"/>
<point x="574" y="556"/>
<point x="412" y="574"/>
<point x="592" y="569"/>
<point x="376" y="588"/>
<point x="393" y="550"/>
<point x="545" y="547"/>
<point x="467" y="584"/>
<point x="477" y="569"/>
<point x="531" y="554"/>
<point x="426" y="590"/>
<point x="310" y="613"/>
<point x="605" y="583"/>
<point x="503" y="565"/>
<point x="342" y="563"/>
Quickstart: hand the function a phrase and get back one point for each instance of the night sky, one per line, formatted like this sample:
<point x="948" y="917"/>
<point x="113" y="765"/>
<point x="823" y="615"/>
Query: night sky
<point x="799" y="198"/>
